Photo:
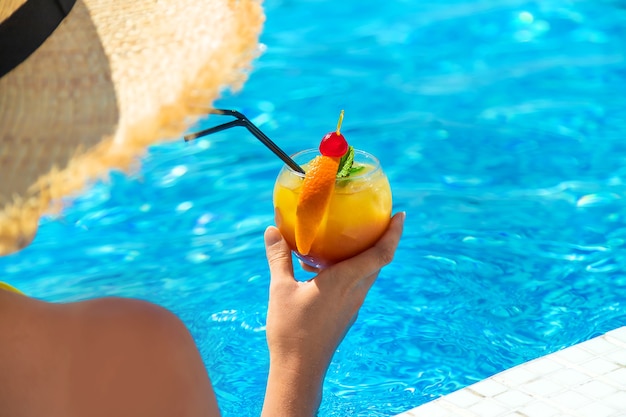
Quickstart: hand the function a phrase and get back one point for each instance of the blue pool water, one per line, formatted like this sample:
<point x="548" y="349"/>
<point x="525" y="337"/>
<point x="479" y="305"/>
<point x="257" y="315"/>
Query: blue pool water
<point x="502" y="127"/>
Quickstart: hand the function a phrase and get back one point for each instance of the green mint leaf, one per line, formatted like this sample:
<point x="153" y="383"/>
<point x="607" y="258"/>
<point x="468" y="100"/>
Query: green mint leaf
<point x="354" y="170"/>
<point x="345" y="164"/>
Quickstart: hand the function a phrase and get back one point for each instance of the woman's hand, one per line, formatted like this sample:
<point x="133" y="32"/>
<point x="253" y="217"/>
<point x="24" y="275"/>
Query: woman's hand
<point x="306" y="321"/>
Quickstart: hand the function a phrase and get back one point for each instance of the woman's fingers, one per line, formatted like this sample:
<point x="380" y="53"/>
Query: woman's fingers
<point x="367" y="264"/>
<point x="364" y="266"/>
<point x="278" y="255"/>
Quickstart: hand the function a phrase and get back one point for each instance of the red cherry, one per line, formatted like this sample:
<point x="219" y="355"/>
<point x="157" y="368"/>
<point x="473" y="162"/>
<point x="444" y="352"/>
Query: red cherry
<point x="333" y="144"/>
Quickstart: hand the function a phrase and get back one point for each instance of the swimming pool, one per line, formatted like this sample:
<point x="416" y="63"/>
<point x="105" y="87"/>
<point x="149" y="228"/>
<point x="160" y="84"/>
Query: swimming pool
<point x="501" y="126"/>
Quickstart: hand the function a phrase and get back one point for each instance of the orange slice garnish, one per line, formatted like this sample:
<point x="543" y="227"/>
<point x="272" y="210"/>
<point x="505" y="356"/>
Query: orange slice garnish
<point x="318" y="187"/>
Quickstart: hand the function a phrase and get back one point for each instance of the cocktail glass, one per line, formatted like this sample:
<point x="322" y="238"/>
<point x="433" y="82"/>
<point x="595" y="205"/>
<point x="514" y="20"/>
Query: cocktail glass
<point x="358" y="213"/>
<point x="359" y="209"/>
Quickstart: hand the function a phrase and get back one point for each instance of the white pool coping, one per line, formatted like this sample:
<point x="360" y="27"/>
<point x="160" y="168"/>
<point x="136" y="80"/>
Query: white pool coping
<point x="585" y="380"/>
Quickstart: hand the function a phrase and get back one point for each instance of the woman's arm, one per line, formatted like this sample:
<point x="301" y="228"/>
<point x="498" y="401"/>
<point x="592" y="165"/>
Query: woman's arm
<point x="306" y="321"/>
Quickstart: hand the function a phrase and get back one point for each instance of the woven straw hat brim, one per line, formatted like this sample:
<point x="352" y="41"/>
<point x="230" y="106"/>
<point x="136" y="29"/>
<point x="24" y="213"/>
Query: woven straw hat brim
<point x="113" y="78"/>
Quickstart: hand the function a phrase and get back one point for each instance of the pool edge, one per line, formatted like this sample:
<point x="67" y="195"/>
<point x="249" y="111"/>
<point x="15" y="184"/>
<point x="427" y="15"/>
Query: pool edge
<point x="584" y="380"/>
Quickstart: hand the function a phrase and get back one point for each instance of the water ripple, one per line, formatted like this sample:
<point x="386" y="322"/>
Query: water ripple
<point x="501" y="127"/>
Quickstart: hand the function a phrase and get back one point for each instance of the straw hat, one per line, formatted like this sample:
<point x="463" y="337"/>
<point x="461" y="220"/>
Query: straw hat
<point x="112" y="78"/>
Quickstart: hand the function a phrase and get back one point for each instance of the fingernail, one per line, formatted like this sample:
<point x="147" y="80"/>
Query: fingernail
<point x="272" y="236"/>
<point x="402" y="217"/>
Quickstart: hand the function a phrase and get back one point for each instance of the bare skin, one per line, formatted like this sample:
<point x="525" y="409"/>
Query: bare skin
<point x="105" y="357"/>
<point x="122" y="357"/>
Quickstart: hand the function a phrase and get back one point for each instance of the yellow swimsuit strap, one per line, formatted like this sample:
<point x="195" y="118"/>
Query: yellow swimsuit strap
<point x="5" y="286"/>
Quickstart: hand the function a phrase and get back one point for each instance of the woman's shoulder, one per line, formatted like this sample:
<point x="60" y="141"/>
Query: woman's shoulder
<point x="108" y="354"/>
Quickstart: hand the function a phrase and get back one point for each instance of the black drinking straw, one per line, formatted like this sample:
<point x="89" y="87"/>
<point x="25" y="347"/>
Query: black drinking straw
<point x="245" y="122"/>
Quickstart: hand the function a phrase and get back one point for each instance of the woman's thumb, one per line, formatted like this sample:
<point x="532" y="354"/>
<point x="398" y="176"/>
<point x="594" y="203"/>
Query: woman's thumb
<point x="278" y="254"/>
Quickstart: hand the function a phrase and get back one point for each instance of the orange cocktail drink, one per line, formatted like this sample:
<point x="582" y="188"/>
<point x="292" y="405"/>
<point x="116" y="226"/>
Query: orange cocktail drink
<point x="355" y="217"/>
